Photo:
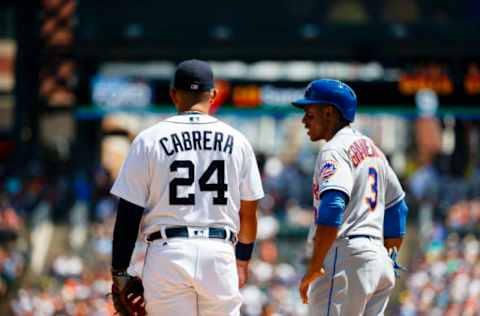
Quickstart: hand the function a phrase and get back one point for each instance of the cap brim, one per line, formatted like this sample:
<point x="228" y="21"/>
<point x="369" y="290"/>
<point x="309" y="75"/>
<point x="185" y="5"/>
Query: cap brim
<point x="304" y="102"/>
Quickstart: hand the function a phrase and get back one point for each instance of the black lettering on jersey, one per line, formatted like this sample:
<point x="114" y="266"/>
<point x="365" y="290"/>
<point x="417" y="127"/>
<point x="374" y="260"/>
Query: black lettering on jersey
<point x="187" y="143"/>
<point x="217" y="141"/>
<point x="206" y="140"/>
<point x="228" y="145"/>
<point x="177" y="145"/>
<point x="163" y="140"/>
<point x="197" y="137"/>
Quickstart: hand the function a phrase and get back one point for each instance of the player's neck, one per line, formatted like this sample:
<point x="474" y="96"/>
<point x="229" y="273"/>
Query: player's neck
<point x="338" y="126"/>
<point x="196" y="108"/>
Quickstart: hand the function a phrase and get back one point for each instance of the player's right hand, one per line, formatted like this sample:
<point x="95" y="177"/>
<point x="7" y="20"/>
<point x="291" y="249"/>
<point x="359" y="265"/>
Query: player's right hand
<point x="242" y="269"/>
<point x="309" y="277"/>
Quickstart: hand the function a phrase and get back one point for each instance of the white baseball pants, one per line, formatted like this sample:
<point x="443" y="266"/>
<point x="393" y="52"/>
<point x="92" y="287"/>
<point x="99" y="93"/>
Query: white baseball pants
<point x="191" y="277"/>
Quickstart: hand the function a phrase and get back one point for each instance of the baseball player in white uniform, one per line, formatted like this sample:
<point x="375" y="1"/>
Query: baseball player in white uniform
<point x="360" y="213"/>
<point x="195" y="181"/>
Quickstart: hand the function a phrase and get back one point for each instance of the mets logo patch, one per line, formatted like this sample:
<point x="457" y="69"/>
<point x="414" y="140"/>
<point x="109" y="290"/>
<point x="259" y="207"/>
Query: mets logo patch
<point x="328" y="169"/>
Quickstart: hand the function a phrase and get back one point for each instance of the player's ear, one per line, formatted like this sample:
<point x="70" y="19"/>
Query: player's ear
<point x="333" y="112"/>
<point x="329" y="112"/>
<point x="213" y="95"/>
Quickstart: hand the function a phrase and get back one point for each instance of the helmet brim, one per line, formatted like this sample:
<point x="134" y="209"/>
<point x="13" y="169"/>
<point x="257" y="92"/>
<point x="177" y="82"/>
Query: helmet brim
<point x="304" y="102"/>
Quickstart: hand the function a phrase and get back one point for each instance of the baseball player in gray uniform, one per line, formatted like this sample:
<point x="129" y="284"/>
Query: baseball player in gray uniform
<point x="360" y="212"/>
<point x="195" y="182"/>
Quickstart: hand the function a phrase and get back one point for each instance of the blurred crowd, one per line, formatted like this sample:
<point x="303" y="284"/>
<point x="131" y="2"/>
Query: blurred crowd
<point x="445" y="279"/>
<point x="74" y="278"/>
<point x="13" y="250"/>
<point x="444" y="273"/>
<point x="14" y="200"/>
<point x="77" y="280"/>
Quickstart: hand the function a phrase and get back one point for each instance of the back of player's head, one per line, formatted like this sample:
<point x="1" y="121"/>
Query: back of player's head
<point x="330" y="92"/>
<point x="193" y="75"/>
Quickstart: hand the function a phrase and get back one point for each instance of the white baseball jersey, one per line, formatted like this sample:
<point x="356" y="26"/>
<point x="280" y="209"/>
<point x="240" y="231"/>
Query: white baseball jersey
<point x="350" y="162"/>
<point x="190" y="169"/>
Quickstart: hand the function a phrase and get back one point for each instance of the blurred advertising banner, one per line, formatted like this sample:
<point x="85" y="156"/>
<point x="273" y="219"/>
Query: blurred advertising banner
<point x="7" y="83"/>
<point x="117" y="92"/>
<point x="275" y="84"/>
<point x="7" y="60"/>
<point x="6" y="112"/>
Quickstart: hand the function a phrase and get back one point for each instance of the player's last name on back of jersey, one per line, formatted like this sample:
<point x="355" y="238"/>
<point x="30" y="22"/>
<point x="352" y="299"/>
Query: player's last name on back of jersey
<point x="197" y="140"/>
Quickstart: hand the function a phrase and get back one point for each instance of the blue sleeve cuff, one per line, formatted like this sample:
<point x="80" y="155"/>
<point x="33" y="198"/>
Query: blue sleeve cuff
<point x="395" y="220"/>
<point x="332" y="208"/>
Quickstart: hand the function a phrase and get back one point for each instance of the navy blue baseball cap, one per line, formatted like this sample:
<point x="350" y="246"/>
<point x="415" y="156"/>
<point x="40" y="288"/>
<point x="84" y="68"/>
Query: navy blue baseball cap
<point x="193" y="75"/>
<point x="329" y="91"/>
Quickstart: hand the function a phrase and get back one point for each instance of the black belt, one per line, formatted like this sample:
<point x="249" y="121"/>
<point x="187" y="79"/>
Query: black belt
<point x="182" y="231"/>
<point x="360" y="236"/>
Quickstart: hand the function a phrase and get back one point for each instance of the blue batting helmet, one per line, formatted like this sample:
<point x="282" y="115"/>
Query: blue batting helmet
<point x="334" y="92"/>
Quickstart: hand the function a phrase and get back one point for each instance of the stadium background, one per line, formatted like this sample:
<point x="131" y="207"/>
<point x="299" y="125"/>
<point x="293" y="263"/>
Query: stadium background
<point x="79" y="79"/>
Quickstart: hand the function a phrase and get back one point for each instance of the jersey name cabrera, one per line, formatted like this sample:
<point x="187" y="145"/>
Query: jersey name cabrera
<point x="350" y="162"/>
<point x="189" y="169"/>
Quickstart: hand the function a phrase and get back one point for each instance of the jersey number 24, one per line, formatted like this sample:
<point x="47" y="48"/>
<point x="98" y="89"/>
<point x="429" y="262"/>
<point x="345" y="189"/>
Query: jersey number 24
<point x="220" y="186"/>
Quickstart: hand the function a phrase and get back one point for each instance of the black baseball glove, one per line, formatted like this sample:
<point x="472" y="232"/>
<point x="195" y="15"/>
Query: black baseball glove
<point x="127" y="294"/>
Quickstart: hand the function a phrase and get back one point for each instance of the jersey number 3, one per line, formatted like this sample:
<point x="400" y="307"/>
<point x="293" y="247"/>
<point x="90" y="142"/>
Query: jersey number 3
<point x="373" y="180"/>
<point x="220" y="186"/>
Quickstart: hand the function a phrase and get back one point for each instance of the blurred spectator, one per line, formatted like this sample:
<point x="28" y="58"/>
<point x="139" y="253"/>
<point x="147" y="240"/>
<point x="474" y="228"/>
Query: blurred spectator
<point x="278" y="179"/>
<point x="103" y="203"/>
<point x="464" y="215"/>
<point x="272" y="289"/>
<point x="13" y="250"/>
<point x="420" y="183"/>
<point x="10" y="221"/>
<point x="428" y="138"/>
<point x="65" y="266"/>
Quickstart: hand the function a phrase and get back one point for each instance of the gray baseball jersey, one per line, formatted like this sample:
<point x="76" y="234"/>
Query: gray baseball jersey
<point x="358" y="272"/>
<point x="350" y="162"/>
<point x="190" y="169"/>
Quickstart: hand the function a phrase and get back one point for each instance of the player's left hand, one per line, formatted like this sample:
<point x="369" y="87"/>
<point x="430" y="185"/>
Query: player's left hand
<point x="242" y="269"/>
<point x="309" y="277"/>
<point x="397" y="268"/>
<point x="127" y="294"/>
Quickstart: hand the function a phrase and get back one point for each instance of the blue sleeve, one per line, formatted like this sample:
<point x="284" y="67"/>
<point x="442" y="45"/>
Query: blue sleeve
<point x="395" y="221"/>
<point x="332" y="207"/>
